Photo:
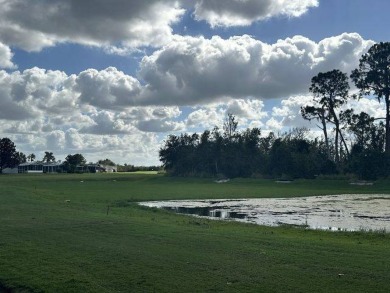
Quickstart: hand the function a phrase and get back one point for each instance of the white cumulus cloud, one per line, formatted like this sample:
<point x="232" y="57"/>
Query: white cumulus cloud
<point x="196" y="70"/>
<point x="107" y="88"/>
<point x="244" y="12"/>
<point x="6" y="57"/>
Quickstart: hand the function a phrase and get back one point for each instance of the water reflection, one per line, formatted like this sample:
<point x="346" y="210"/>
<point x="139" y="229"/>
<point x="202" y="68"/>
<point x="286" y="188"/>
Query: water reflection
<point x="208" y="212"/>
<point x="336" y="212"/>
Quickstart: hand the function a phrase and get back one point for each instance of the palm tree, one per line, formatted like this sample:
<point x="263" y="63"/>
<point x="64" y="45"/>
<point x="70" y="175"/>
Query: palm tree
<point x="49" y="157"/>
<point x="31" y="157"/>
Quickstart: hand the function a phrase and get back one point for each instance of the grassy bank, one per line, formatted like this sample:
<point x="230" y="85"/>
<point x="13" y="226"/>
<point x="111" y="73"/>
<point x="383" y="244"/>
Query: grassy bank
<point x="84" y="233"/>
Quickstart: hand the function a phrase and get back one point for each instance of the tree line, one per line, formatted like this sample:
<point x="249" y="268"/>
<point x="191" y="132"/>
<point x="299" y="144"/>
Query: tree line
<point x="351" y="142"/>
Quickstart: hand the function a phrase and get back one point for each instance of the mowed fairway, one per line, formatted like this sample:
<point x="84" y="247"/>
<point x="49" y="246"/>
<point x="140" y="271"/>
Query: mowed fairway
<point x="85" y="233"/>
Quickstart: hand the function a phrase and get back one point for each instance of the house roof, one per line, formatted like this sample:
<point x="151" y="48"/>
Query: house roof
<point x="40" y="163"/>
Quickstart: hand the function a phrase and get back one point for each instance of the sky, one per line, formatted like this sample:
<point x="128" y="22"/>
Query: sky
<point x="111" y="79"/>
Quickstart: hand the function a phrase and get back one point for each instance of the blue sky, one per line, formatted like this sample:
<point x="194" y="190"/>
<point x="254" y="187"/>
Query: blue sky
<point x="111" y="79"/>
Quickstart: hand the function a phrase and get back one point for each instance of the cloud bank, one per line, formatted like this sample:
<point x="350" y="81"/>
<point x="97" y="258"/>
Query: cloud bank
<point x="120" y="24"/>
<point x="33" y="25"/>
<point x="195" y="70"/>
<point x="189" y="71"/>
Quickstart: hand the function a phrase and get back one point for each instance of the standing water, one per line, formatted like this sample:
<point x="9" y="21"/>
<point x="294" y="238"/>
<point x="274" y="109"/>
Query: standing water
<point x="352" y="212"/>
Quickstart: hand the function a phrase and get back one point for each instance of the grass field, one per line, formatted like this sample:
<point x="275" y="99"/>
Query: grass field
<point x="85" y="233"/>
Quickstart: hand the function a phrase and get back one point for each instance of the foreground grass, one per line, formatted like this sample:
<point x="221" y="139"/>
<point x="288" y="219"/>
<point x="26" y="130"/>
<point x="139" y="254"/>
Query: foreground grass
<point x="84" y="233"/>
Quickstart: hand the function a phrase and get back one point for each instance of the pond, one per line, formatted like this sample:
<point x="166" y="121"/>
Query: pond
<point x="351" y="212"/>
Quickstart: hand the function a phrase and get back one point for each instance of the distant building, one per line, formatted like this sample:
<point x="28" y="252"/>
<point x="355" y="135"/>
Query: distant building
<point x="58" y="167"/>
<point x="90" y="168"/>
<point x="55" y="167"/>
<point x="40" y="167"/>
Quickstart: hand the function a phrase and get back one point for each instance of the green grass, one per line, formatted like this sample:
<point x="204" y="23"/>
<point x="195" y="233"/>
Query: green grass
<point x="56" y="236"/>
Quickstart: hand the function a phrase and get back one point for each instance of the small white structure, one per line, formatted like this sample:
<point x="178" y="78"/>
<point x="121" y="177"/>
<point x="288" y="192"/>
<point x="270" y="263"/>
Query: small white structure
<point x="109" y="169"/>
<point x="10" y="170"/>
